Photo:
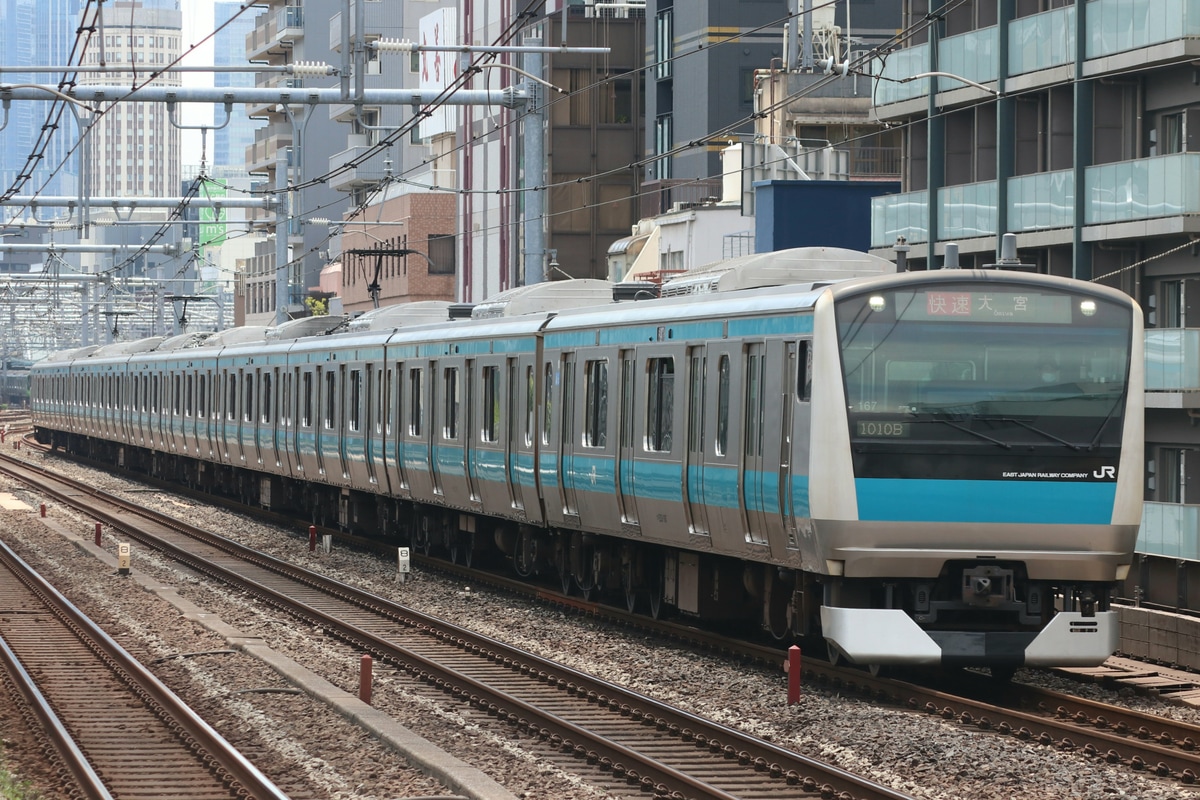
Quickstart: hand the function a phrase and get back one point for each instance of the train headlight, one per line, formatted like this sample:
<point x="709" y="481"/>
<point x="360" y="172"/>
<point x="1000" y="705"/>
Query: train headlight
<point x="1087" y="307"/>
<point x="879" y="303"/>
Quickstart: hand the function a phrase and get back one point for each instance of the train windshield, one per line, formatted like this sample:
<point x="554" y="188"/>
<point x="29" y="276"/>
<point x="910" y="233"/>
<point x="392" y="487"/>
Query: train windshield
<point x="1000" y="364"/>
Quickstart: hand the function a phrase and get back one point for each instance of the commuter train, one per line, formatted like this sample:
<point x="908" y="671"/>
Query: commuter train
<point x="923" y="468"/>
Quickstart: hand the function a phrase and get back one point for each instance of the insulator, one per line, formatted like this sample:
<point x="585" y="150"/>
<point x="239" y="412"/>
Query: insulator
<point x="394" y="45"/>
<point x="310" y="68"/>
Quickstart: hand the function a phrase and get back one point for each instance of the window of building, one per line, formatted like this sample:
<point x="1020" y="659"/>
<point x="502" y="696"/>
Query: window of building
<point x="663" y="142"/>
<point x="664" y="43"/>
<point x="443" y="254"/>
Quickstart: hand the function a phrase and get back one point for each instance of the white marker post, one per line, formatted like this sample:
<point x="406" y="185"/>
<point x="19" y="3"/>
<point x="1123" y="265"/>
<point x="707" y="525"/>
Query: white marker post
<point x="403" y="563"/>
<point x="123" y="558"/>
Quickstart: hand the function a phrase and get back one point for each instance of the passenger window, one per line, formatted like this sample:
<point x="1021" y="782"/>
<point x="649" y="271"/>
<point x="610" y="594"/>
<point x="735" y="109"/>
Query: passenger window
<point x="307" y="418"/>
<point x="595" y="423"/>
<point x="804" y="372"/>
<point x="491" y="404"/>
<point x="355" y="399"/>
<point x="330" y="399"/>
<point x="530" y="405"/>
<point x="548" y="404"/>
<point x="450" y="430"/>
<point x="660" y="401"/>
<point x="266" y="399"/>
<point x="416" y="406"/>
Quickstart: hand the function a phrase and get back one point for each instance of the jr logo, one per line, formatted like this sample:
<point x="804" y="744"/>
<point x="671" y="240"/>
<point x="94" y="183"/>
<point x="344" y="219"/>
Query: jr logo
<point x="1105" y="472"/>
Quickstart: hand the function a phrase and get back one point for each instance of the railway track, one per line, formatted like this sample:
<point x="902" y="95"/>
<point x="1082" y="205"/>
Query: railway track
<point x="1142" y="742"/>
<point x="114" y="728"/>
<point x="618" y="739"/>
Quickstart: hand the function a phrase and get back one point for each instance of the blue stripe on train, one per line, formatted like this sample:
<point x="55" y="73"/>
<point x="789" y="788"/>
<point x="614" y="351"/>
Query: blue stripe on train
<point x="1050" y="502"/>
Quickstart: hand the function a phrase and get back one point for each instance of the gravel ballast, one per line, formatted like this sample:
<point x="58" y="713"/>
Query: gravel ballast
<point x="916" y="753"/>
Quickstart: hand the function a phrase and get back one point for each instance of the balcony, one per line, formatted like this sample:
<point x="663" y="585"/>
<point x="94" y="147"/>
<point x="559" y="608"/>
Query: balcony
<point x="1041" y="201"/>
<point x="369" y="172"/>
<point x="1046" y="40"/>
<point x="896" y="215"/>
<point x="271" y="80"/>
<point x="1145" y="188"/>
<point x="1117" y="26"/>
<point x="1171" y="530"/>
<point x="1163" y="188"/>
<point x="274" y="34"/>
<point x="967" y="211"/>
<point x="1041" y="41"/>
<point x="1172" y="359"/>
<point x="263" y="154"/>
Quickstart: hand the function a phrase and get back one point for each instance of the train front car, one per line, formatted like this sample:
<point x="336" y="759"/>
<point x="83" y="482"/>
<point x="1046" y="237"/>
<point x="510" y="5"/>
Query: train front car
<point x="976" y="474"/>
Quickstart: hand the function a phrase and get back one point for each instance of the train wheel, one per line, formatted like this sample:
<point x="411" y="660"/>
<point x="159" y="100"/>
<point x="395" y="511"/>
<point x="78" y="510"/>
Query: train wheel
<point x="462" y="548"/>
<point x="422" y="541"/>
<point x="631" y="592"/>
<point x="525" y="553"/>
<point x="585" y="578"/>
<point x="656" y="603"/>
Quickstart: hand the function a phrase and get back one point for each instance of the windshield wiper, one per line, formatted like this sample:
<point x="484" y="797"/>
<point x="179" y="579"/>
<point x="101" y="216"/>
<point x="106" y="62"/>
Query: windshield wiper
<point x="965" y="429"/>
<point x="1036" y="430"/>
<point x="1103" y="423"/>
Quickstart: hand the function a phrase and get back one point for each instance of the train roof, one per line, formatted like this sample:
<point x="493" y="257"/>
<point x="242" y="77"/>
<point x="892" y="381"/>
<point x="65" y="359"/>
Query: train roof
<point x="797" y="265"/>
<point x="118" y="349"/>
<point x="304" y="327"/>
<point x="183" y="341"/>
<point x="541" y="298"/>
<point x="403" y="315"/>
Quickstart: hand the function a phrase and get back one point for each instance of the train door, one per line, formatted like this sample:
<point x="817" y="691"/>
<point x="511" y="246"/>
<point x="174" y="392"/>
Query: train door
<point x="525" y="477"/>
<point x="766" y="440"/>
<point x="400" y="423"/>
<point x="372" y="424"/>
<point x="433" y="430"/>
<point x="625" y="452"/>
<point x="797" y="386"/>
<point x="754" y="480"/>
<point x="693" y="483"/>
<point x="323" y="424"/>
<point x="722" y="475"/>
<point x="259" y="389"/>
<point x="513" y="414"/>
<point x="468" y="430"/>
<point x="566" y="460"/>
<point x="351" y="439"/>
<point x="345" y="401"/>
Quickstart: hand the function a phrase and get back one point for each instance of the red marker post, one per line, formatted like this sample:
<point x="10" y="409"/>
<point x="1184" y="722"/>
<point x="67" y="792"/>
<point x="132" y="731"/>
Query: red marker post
<point x="793" y="675"/>
<point x="364" y="679"/>
<point x="312" y="538"/>
<point x="97" y="534"/>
